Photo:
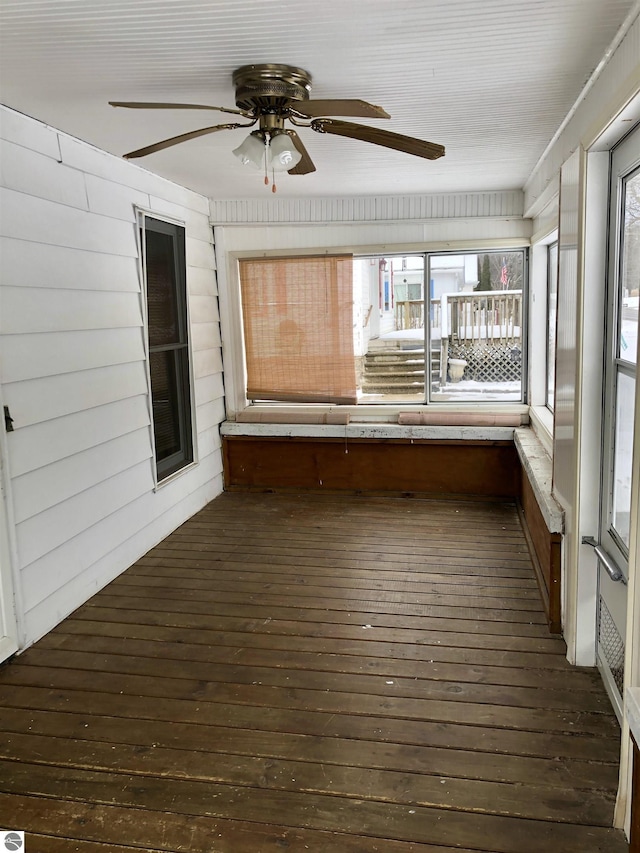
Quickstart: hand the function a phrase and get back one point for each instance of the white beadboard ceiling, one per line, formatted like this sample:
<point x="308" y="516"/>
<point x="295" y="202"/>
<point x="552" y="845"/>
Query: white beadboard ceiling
<point x="491" y="80"/>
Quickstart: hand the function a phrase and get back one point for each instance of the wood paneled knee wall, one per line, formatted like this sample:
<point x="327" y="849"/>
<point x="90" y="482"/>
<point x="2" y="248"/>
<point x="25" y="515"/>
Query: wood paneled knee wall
<point x="473" y="469"/>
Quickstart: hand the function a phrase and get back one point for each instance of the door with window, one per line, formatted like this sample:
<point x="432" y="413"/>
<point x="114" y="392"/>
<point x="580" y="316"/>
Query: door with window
<point x="619" y="399"/>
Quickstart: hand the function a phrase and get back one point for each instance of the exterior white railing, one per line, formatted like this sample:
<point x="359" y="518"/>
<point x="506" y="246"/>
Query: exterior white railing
<point x="487" y="315"/>
<point x="409" y="314"/>
<point x="492" y="316"/>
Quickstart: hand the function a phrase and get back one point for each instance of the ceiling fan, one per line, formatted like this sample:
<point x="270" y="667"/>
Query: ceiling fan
<point x="269" y="95"/>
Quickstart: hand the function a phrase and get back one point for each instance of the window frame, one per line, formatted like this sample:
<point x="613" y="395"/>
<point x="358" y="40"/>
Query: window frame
<point x="433" y="402"/>
<point x="233" y="334"/>
<point x="542" y="418"/>
<point x="617" y="365"/>
<point x="550" y="403"/>
<point x="167" y="468"/>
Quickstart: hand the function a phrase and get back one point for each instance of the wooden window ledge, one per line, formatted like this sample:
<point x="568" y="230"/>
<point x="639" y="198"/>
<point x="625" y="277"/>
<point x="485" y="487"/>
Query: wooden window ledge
<point x="536" y="464"/>
<point x="373" y="431"/>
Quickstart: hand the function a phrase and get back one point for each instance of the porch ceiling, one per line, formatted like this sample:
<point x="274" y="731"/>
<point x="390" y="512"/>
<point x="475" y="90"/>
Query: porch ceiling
<point x="491" y="81"/>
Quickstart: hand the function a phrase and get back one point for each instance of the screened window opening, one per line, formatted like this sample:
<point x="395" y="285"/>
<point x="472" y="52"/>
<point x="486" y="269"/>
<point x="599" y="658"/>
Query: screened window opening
<point x="626" y="359"/>
<point x="455" y="333"/>
<point x="477" y="326"/>
<point x="415" y="328"/>
<point x="166" y="295"/>
<point x="552" y="312"/>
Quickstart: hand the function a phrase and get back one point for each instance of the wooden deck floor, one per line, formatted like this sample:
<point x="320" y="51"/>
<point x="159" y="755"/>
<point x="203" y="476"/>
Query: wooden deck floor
<point x="312" y="673"/>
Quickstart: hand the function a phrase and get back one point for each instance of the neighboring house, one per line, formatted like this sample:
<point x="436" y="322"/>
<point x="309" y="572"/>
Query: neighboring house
<point x="87" y="490"/>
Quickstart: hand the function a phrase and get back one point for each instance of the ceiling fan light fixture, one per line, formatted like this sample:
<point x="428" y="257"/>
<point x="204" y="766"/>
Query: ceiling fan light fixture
<point x="273" y="94"/>
<point x="284" y="154"/>
<point x="251" y="152"/>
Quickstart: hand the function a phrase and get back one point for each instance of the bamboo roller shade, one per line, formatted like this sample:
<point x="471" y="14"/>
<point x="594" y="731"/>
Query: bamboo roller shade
<point x="298" y="327"/>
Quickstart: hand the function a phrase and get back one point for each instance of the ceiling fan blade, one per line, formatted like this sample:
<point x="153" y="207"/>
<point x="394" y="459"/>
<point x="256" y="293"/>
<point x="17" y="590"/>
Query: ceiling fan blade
<point x="408" y="144"/>
<point x="183" y="137"/>
<point x="339" y="107"/>
<point x="306" y="165"/>
<point x="147" y="105"/>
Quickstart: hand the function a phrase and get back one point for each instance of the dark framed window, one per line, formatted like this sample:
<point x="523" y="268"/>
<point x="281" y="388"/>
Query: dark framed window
<point x="166" y="295"/>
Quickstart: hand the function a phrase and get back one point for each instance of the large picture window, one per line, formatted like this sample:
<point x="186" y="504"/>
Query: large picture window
<point x="166" y="298"/>
<point x="411" y="328"/>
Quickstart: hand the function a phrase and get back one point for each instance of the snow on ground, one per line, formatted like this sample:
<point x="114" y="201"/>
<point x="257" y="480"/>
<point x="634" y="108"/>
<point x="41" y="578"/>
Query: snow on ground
<point x="468" y="333"/>
<point x="405" y="335"/>
<point x="469" y="389"/>
<point x="465" y="391"/>
<point x="629" y="339"/>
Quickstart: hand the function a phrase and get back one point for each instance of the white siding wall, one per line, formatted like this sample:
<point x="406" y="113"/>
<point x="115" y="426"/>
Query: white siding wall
<point x="73" y="371"/>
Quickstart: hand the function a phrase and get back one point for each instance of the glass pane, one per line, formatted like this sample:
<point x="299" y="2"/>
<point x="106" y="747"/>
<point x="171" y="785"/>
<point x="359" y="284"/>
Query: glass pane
<point x="388" y="299"/>
<point x="552" y="308"/>
<point x="165" y="397"/>
<point x="623" y="453"/>
<point x="161" y="289"/>
<point x="477" y="326"/>
<point x="630" y="271"/>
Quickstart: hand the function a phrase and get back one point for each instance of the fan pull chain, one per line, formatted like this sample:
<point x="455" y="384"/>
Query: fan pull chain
<point x="266" y="172"/>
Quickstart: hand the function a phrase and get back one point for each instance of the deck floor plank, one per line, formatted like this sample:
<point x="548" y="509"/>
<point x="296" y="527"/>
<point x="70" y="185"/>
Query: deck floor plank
<point x="313" y="672"/>
<point x="328" y="623"/>
<point x="374" y="658"/>
<point x="220" y="629"/>
<point x="596" y="751"/>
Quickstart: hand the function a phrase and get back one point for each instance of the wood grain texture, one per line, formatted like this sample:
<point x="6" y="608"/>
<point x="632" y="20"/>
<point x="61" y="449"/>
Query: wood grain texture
<point x="392" y="466"/>
<point x="338" y="674"/>
<point x="546" y="555"/>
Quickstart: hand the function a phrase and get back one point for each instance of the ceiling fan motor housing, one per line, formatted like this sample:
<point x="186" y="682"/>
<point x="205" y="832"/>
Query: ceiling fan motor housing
<point x="265" y="88"/>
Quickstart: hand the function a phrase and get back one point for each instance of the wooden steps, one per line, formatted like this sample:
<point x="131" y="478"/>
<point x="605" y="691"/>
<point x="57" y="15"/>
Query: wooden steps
<point x="393" y="370"/>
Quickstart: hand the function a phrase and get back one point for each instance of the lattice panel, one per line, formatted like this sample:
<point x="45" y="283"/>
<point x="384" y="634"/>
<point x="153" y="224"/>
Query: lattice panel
<point x="499" y="363"/>
<point x="611" y="645"/>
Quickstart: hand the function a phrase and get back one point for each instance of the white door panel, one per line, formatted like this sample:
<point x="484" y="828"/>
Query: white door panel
<point x="623" y="295"/>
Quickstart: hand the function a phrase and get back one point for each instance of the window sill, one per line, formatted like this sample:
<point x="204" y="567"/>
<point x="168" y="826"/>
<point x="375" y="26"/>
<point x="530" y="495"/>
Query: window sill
<point x="160" y="484"/>
<point x="373" y="413"/>
<point x="537" y="465"/>
<point x="372" y="431"/>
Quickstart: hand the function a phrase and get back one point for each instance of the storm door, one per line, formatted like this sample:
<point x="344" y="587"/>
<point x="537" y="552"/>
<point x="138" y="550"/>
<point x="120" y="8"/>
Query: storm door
<point x="619" y="401"/>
